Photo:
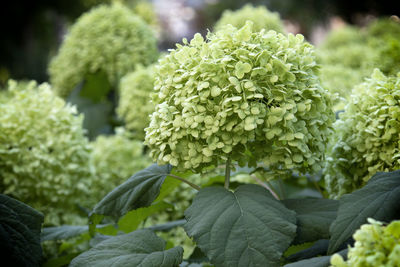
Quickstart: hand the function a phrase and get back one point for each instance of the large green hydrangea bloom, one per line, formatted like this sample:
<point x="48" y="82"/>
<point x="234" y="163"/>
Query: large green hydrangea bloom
<point x="260" y="16"/>
<point x="107" y="39"/>
<point x="375" y="245"/>
<point x="366" y="138"/>
<point x="44" y="153"/>
<point x="135" y="105"/>
<point x="115" y="159"/>
<point x="241" y="94"/>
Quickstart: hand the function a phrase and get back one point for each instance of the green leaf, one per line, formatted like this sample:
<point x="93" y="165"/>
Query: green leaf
<point x="314" y="217"/>
<point x="169" y="185"/>
<point x="323" y="261"/>
<point x="248" y="227"/>
<point x="317" y="249"/>
<point x="379" y="199"/>
<point x="138" y="191"/>
<point x="20" y="227"/>
<point x="62" y="232"/>
<point x="131" y="221"/>
<point x="141" y="248"/>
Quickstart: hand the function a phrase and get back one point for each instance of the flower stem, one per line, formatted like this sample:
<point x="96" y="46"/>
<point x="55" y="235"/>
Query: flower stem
<point x="280" y="182"/>
<point x="185" y="181"/>
<point x="227" y="172"/>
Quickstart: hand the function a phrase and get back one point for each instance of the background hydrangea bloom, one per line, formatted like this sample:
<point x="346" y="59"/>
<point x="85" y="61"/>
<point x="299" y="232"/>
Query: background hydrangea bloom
<point x="135" y="104"/>
<point x="250" y="95"/>
<point x="366" y="138"/>
<point x="375" y="245"/>
<point x="44" y="153"/>
<point x="107" y="39"/>
<point x="115" y="159"/>
<point x="260" y="16"/>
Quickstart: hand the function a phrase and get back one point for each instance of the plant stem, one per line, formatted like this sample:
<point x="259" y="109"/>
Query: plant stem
<point x="185" y="181"/>
<point x="227" y="172"/>
<point x="317" y="187"/>
<point x="267" y="186"/>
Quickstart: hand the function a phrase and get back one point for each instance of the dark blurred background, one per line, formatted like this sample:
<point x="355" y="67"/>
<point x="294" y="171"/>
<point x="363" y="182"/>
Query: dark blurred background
<point x="31" y="31"/>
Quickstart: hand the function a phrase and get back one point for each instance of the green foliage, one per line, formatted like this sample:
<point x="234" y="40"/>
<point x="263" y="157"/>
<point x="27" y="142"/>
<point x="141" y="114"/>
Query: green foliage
<point x="135" y="106"/>
<point x="241" y="94"/>
<point x="138" y="191"/>
<point x="314" y="217"/>
<point x="141" y="248"/>
<point x="376" y="244"/>
<point x="260" y="16"/>
<point x="344" y="36"/>
<point x="366" y="136"/>
<point x="115" y="158"/>
<point x="20" y="227"/>
<point x="379" y="199"/>
<point x="109" y="39"/>
<point x="242" y="227"/>
<point x="44" y="153"/>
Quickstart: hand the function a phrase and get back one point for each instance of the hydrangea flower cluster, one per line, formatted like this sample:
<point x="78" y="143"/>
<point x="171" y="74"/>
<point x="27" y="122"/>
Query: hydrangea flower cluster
<point x="135" y="105"/>
<point x="107" y="39"/>
<point x="246" y="95"/>
<point x="375" y="245"/>
<point x="115" y="158"/>
<point x="366" y="138"/>
<point x="346" y="60"/>
<point x="44" y="153"/>
<point x="260" y="16"/>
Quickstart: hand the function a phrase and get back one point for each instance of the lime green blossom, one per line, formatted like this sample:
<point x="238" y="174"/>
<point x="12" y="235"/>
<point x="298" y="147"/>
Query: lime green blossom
<point x="107" y="39"/>
<point x="241" y="94"/>
<point x="44" y="153"/>
<point x="260" y="16"/>
<point x="375" y="245"/>
<point x="135" y="105"/>
<point x="366" y="138"/>
<point x="115" y="159"/>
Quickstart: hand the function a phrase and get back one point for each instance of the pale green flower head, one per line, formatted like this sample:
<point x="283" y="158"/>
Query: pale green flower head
<point x="260" y="16"/>
<point x="107" y="39"/>
<point x="44" y="153"/>
<point x="115" y="159"/>
<point x="135" y="105"/>
<point x="375" y="244"/>
<point x="366" y="138"/>
<point x="251" y="96"/>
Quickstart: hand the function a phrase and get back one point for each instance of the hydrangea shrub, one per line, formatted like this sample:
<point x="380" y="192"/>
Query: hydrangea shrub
<point x="250" y="96"/>
<point x="44" y="153"/>
<point x="260" y="16"/>
<point x="376" y="244"/>
<point x="115" y="158"/>
<point x="135" y="105"/>
<point x="366" y="138"/>
<point x="107" y="39"/>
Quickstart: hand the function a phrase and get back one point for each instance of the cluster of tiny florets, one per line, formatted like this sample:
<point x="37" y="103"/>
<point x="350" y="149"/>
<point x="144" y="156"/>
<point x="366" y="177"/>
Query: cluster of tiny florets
<point x="44" y="153"/>
<point x="250" y="96"/>
<point x="366" y="138"/>
<point x="261" y="17"/>
<point x="135" y="105"/>
<point x="375" y="245"/>
<point x="107" y="39"/>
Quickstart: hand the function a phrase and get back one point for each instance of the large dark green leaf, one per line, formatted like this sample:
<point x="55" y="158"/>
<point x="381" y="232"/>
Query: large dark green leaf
<point x="314" y="217"/>
<point x="323" y="261"/>
<point x="62" y="232"/>
<point x="141" y="248"/>
<point x="20" y="227"/>
<point x="246" y="228"/>
<point x="379" y="199"/>
<point x="138" y="191"/>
